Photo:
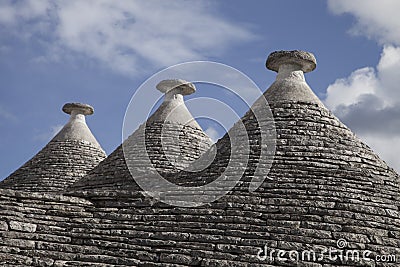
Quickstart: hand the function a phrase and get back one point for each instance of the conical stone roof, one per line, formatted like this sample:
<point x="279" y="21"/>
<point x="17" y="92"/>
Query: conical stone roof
<point x="166" y="143"/>
<point x="65" y="159"/>
<point x="324" y="186"/>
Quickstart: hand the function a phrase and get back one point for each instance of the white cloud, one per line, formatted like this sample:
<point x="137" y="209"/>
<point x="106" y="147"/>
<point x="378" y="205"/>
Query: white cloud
<point x="382" y="82"/>
<point x="378" y="20"/>
<point x="126" y="36"/>
<point x="346" y="91"/>
<point x="12" y="11"/>
<point x="368" y="101"/>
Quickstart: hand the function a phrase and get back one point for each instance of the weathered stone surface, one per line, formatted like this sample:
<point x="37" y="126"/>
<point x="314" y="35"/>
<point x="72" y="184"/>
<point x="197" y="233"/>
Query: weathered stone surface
<point x="21" y="226"/>
<point x="179" y="86"/>
<point x="167" y="143"/>
<point x="64" y="160"/>
<point x="58" y="165"/>
<point x="325" y="184"/>
<point x="304" y="60"/>
<point x="80" y="108"/>
<point x="3" y="226"/>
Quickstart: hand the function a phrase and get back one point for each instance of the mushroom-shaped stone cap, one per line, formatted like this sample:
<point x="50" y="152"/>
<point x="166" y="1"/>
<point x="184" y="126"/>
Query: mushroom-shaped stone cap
<point x="80" y="108"/>
<point x="181" y="86"/>
<point x="305" y="60"/>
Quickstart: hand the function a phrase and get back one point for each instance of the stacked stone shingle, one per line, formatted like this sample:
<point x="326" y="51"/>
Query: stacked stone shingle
<point x="171" y="128"/>
<point x="64" y="160"/>
<point x="324" y="186"/>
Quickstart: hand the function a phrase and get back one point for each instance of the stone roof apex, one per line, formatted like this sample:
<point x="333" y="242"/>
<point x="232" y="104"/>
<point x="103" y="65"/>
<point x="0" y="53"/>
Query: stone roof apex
<point x="178" y="86"/>
<point x="173" y="109"/>
<point x="78" y="108"/>
<point x="65" y="159"/>
<point x="290" y="84"/>
<point x="304" y="61"/>
<point x="76" y="128"/>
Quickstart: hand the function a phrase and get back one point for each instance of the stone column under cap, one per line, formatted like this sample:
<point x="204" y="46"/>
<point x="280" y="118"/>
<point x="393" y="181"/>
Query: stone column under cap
<point x="175" y="88"/>
<point x="64" y="160"/>
<point x="76" y="128"/>
<point x="324" y="186"/>
<point x="290" y="84"/>
<point x="171" y="138"/>
<point x="173" y="108"/>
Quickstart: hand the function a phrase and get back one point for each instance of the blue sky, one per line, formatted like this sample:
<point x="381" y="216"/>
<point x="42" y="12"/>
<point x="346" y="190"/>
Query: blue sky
<point x="100" y="52"/>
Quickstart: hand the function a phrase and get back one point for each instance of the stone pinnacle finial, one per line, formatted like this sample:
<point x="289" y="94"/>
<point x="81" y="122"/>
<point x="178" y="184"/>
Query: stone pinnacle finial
<point x="305" y="61"/>
<point x="173" y="108"/>
<point x="78" y="108"/>
<point x="176" y="86"/>
<point x="76" y="128"/>
<point x="290" y="83"/>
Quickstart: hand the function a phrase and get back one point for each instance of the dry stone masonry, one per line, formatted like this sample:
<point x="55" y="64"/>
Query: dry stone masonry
<point x="324" y="185"/>
<point x="171" y="138"/>
<point x="64" y="160"/>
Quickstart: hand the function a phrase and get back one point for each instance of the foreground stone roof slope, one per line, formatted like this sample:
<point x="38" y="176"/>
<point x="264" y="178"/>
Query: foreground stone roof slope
<point x="64" y="160"/>
<point x="324" y="185"/>
<point x="170" y="129"/>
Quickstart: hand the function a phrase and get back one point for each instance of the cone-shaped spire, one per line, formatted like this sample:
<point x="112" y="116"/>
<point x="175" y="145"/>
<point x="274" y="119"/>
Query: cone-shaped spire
<point x="65" y="159"/>
<point x="173" y="108"/>
<point x="308" y="131"/>
<point x="76" y="128"/>
<point x="290" y="84"/>
<point x="326" y="191"/>
<point x="308" y="135"/>
<point x="171" y="138"/>
<point x="324" y="185"/>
